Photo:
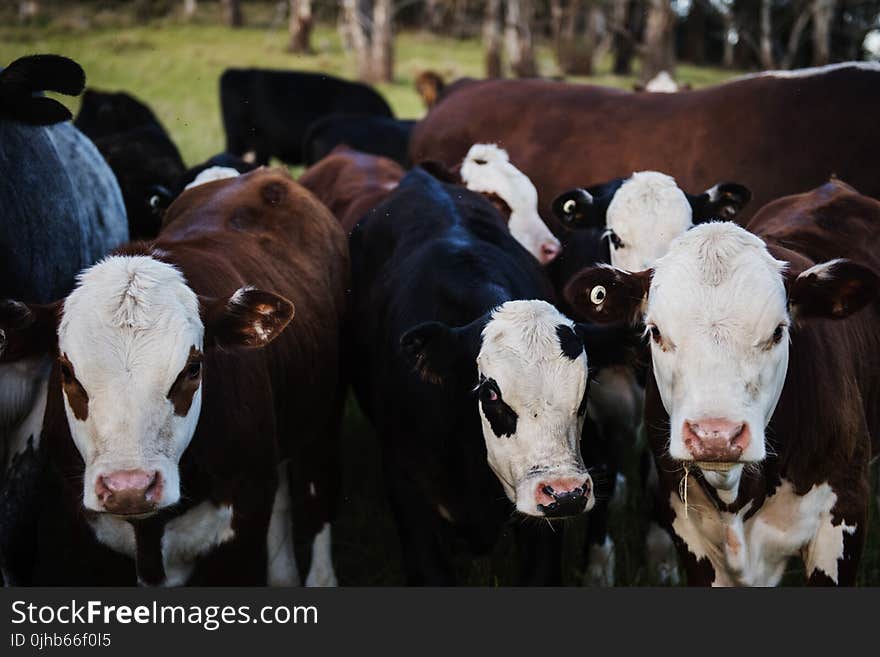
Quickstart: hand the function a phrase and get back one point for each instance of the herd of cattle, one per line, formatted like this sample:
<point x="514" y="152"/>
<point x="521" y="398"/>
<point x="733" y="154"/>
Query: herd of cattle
<point x="564" y="268"/>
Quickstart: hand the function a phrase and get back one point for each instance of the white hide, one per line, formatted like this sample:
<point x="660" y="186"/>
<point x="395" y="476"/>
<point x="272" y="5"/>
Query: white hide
<point x="647" y="213"/>
<point x="23" y="388"/>
<point x="128" y="328"/>
<point x="716" y="299"/>
<point x="662" y="83"/>
<point x="755" y="552"/>
<point x="282" y="569"/>
<point x="487" y="169"/>
<point x="211" y="174"/>
<point x="812" y="71"/>
<point x="185" y="539"/>
<point x="321" y="571"/>
<point x="521" y="352"/>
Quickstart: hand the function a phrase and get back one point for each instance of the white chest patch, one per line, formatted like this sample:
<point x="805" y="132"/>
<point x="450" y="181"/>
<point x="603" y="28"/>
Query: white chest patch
<point x="186" y="538"/>
<point x="755" y="552"/>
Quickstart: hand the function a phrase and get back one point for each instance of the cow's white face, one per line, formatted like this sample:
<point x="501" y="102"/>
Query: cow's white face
<point x="131" y="342"/>
<point x="718" y="325"/>
<point x="532" y="402"/>
<point x="645" y="215"/>
<point x="487" y="169"/>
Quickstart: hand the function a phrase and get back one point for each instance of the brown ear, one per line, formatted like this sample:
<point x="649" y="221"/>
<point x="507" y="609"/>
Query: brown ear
<point x="27" y="330"/>
<point x="832" y="290"/>
<point x="604" y="294"/>
<point x="249" y="318"/>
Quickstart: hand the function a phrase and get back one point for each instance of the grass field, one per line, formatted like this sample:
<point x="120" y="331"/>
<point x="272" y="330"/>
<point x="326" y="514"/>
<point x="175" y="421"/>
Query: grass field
<point x="175" y="67"/>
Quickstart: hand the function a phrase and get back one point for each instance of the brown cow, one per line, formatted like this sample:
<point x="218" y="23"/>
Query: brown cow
<point x="775" y="133"/>
<point x="762" y="413"/>
<point x="351" y="183"/>
<point x="186" y="425"/>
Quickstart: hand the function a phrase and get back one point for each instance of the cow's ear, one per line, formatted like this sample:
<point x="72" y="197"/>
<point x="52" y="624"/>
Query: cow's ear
<point x="577" y="208"/>
<point x="832" y="290"/>
<point x="438" y="353"/>
<point x="249" y="318"/>
<point x="723" y="201"/>
<point x="27" y="330"/>
<point x="606" y="295"/>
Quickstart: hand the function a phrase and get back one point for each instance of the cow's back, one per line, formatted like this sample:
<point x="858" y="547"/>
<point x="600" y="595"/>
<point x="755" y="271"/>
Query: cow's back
<point x="776" y="135"/>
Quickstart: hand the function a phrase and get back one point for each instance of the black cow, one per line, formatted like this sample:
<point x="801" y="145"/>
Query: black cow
<point x="137" y="148"/>
<point x="266" y="113"/>
<point x="62" y="210"/>
<point x="461" y="361"/>
<point x="377" y="135"/>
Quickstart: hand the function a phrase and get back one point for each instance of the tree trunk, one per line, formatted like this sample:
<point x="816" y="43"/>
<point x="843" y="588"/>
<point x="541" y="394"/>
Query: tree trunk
<point x="232" y="13"/>
<point x="695" y="34"/>
<point x="727" y="59"/>
<point x="823" y="15"/>
<point x="767" y="60"/>
<point x="518" y="37"/>
<point x="492" y="38"/>
<point x="371" y="36"/>
<point x="659" y="44"/>
<point x="383" y="41"/>
<point x="189" y="8"/>
<point x="300" y="26"/>
<point x="624" y="19"/>
<point x="794" y="38"/>
<point x="435" y="12"/>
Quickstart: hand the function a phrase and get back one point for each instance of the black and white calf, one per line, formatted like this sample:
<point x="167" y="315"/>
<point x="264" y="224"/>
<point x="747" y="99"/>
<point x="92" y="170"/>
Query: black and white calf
<point x="642" y="214"/>
<point x="476" y="384"/>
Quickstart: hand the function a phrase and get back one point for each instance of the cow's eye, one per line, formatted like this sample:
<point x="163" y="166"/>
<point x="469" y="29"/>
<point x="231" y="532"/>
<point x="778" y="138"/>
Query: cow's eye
<point x="615" y="240"/>
<point x="655" y="334"/>
<point x="489" y="393"/>
<point x="194" y="370"/>
<point x="778" y="333"/>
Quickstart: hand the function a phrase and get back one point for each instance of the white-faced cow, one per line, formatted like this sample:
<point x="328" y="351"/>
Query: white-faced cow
<point x="642" y="214"/>
<point x="185" y="424"/>
<point x="761" y="412"/>
<point x="476" y="384"/>
<point x="487" y="169"/>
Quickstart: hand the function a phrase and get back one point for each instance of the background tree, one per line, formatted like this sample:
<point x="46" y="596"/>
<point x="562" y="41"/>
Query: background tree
<point x="232" y="15"/>
<point x="189" y="8"/>
<point x="369" y="30"/>
<point x="300" y="26"/>
<point x="823" y="15"/>
<point x="658" y="48"/>
<point x="518" y="38"/>
<point x="492" y="38"/>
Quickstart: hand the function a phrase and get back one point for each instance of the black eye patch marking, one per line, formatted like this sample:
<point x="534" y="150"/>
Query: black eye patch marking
<point x="502" y="418"/>
<point x="572" y="345"/>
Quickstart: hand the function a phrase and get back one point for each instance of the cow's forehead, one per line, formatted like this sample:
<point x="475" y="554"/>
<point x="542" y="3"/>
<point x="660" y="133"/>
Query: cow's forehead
<point x="718" y="271"/>
<point x="648" y="200"/>
<point x="521" y="338"/>
<point x="126" y="304"/>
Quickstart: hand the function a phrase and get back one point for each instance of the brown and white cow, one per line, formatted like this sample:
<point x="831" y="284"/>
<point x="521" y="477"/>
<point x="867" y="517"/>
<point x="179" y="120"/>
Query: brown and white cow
<point x="762" y="412"/>
<point x="186" y="424"/>
<point x="775" y="133"/>
<point x="351" y="183"/>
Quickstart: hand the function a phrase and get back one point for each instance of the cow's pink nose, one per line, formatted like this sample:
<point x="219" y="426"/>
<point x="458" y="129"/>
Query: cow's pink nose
<point x="549" y="250"/>
<point x="716" y="439"/>
<point x="129" y="492"/>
